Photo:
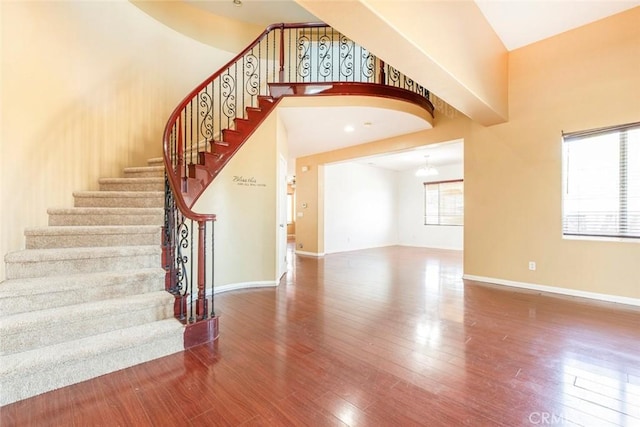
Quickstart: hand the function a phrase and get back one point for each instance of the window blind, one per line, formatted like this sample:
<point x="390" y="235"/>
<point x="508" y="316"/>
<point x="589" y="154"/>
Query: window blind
<point x="444" y="203"/>
<point x="601" y="182"/>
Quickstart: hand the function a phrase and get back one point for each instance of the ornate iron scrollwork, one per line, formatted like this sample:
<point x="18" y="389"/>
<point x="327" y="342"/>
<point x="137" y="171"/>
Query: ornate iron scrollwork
<point x="182" y="234"/>
<point x="205" y="101"/>
<point x="325" y="66"/>
<point x="368" y="65"/>
<point x="393" y="76"/>
<point x="229" y="95"/>
<point x="303" y="68"/>
<point x="252" y="69"/>
<point x="346" y="57"/>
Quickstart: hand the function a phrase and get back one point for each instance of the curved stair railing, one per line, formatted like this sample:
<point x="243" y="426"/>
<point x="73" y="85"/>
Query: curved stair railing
<point x="217" y="117"/>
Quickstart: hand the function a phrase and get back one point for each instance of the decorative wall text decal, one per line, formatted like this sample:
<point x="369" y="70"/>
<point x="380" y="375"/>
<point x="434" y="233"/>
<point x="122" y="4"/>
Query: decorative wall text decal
<point x="247" y="181"/>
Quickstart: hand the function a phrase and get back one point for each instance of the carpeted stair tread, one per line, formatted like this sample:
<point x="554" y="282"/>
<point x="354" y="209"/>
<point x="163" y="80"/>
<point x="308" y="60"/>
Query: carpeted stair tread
<point x="105" y="216"/>
<point x="34" y="255"/>
<point x="119" y="194"/>
<point x="68" y="236"/>
<point x="40" y="293"/>
<point x="124" y="196"/>
<point x="131" y="199"/>
<point x="144" y="172"/>
<point x="64" y="230"/>
<point x="135" y="169"/>
<point x="25" y="331"/>
<point x="142" y="179"/>
<point x="104" y="211"/>
<point x="59" y="262"/>
<point x="36" y="371"/>
<point x="132" y="184"/>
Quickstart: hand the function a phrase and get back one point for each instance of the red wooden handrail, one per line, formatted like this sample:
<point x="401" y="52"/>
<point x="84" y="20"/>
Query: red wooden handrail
<point x="173" y="118"/>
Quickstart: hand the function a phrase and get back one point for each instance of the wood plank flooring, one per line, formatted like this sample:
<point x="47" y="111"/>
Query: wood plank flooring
<point x="379" y="337"/>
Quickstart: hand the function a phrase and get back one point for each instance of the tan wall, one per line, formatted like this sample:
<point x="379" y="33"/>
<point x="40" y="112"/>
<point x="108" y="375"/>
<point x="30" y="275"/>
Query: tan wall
<point x="582" y="79"/>
<point x="245" y="229"/>
<point x="86" y="90"/>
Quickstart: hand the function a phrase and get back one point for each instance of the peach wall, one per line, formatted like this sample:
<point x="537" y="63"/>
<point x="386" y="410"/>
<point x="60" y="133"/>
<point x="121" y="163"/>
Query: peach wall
<point x="585" y="78"/>
<point x="246" y="224"/>
<point x="86" y="90"/>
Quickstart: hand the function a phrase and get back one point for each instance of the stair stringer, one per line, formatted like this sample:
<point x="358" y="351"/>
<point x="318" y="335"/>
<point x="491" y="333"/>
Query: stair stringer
<point x="211" y="162"/>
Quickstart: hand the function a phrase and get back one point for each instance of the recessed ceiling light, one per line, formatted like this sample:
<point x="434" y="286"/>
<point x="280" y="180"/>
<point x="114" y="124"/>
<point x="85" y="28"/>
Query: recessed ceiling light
<point x="237" y="3"/>
<point x="349" y="128"/>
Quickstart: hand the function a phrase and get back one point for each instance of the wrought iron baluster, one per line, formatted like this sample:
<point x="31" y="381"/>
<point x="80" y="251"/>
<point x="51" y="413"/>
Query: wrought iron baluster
<point x="213" y="311"/>
<point x="324" y="57"/>
<point x="303" y="68"/>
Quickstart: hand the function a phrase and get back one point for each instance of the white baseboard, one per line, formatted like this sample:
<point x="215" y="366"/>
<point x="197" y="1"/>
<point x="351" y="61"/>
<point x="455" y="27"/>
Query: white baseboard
<point x="243" y="285"/>
<point x="315" y="254"/>
<point x="556" y="290"/>
<point x="363" y="248"/>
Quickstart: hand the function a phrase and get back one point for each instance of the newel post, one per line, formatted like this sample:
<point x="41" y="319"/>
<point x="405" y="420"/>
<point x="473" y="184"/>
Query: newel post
<point x="201" y="304"/>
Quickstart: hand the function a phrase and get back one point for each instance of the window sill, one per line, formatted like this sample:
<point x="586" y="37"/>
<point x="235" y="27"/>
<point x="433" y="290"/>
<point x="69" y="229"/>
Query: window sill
<point x="603" y="239"/>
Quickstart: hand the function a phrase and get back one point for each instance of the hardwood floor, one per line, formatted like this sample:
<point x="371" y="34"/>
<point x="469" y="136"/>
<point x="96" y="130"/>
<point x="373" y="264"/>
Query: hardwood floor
<point x="379" y="337"/>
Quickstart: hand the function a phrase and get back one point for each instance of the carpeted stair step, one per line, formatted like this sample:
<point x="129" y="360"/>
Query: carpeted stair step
<point x="40" y="328"/>
<point x="131" y="184"/>
<point x="105" y="216"/>
<point x="56" y="262"/>
<point x="144" y="172"/>
<point x="43" y="293"/>
<point x="33" y="372"/>
<point x="155" y="161"/>
<point x="73" y="236"/>
<point x="113" y="199"/>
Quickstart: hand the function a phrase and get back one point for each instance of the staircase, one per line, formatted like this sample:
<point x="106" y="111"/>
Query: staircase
<point x="211" y="160"/>
<point x="87" y="295"/>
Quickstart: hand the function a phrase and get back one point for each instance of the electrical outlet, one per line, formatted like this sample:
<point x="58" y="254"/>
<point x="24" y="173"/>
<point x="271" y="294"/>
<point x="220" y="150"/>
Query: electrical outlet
<point x="532" y="265"/>
<point x="300" y="246"/>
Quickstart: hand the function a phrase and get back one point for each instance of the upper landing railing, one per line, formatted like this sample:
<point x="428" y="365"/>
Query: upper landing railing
<point x="283" y="56"/>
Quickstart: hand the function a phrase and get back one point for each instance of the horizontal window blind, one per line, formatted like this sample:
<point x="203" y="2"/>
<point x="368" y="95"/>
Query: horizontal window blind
<point x="444" y="203"/>
<point x="601" y="182"/>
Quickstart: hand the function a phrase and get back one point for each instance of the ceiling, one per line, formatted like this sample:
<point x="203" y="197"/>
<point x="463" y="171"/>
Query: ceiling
<point x="330" y="128"/>
<point x="519" y="23"/>
<point x="441" y="154"/>
<point x="314" y="130"/>
<point x="516" y="22"/>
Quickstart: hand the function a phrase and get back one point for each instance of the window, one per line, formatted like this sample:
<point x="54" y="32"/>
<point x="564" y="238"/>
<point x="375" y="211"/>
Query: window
<point x="444" y="203"/>
<point x="601" y="182"/>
